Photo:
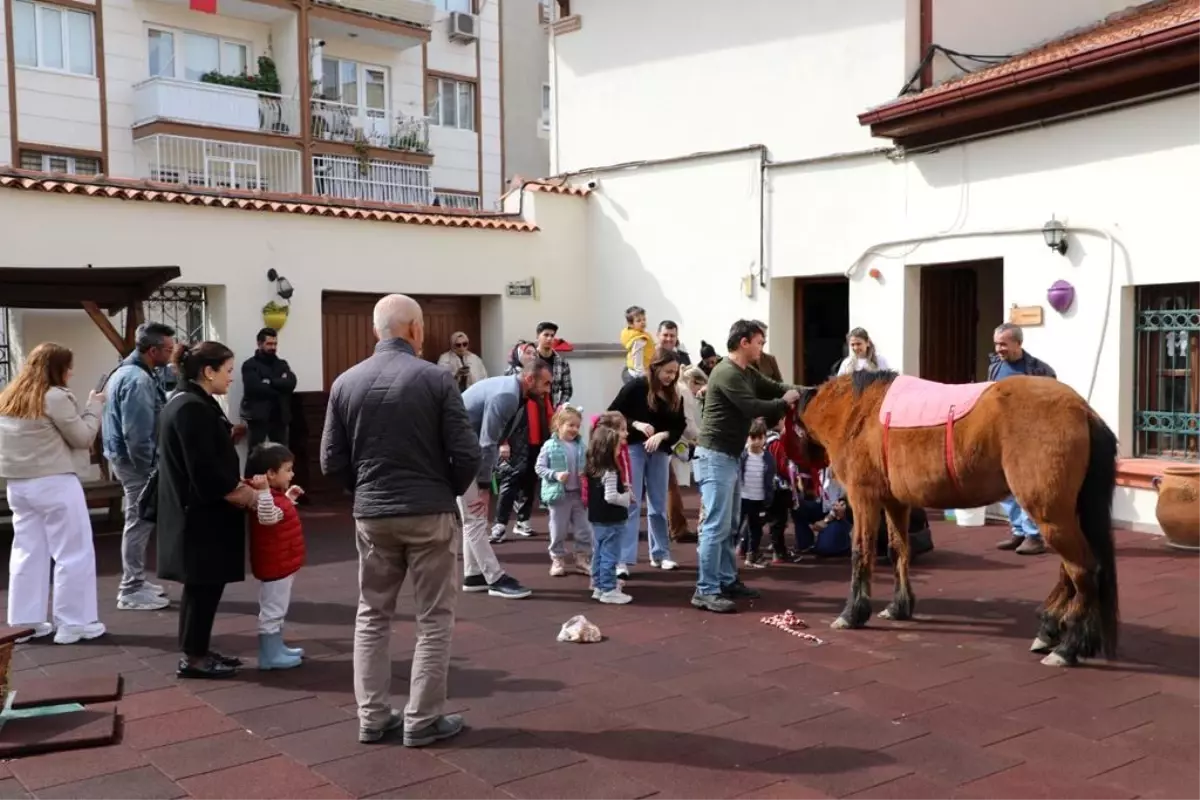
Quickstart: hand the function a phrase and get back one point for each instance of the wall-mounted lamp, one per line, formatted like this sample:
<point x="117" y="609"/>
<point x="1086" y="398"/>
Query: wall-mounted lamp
<point x="1060" y="296"/>
<point x="1055" y="234"/>
<point x="283" y="287"/>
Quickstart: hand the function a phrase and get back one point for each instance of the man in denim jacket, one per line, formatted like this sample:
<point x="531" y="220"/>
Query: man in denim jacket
<point x="130" y="433"/>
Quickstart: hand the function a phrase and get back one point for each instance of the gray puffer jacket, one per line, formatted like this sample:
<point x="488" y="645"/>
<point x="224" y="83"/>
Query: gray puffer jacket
<point x="398" y="435"/>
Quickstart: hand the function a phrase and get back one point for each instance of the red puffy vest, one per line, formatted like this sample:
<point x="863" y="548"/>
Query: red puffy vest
<point x="277" y="551"/>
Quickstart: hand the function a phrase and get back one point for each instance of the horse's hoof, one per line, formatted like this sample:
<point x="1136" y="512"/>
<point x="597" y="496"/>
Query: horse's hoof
<point x="887" y="613"/>
<point x="1040" y="646"/>
<point x="840" y="624"/>
<point x="1056" y="660"/>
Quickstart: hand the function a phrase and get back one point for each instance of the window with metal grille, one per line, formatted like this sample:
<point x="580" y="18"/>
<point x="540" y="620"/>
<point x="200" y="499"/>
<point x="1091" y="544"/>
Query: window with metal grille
<point x="463" y="200"/>
<point x="5" y="356"/>
<point x="67" y="165"/>
<point x="1166" y="419"/>
<point x="184" y="308"/>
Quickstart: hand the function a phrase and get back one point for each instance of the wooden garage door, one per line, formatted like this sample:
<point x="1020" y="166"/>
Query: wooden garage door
<point x="949" y="317"/>
<point x="348" y="336"/>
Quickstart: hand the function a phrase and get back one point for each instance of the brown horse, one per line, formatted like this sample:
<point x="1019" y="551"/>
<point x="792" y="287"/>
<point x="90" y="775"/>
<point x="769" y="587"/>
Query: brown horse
<point x="1034" y="438"/>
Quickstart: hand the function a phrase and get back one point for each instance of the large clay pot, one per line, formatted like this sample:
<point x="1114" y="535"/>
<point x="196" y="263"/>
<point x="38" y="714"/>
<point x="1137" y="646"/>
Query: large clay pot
<point x="1178" y="509"/>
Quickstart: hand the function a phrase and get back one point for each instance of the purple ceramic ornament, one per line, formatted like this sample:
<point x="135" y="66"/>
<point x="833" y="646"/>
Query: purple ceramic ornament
<point x="1060" y="295"/>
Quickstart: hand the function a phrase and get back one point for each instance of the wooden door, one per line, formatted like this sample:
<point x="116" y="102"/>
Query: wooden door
<point x="949" y="324"/>
<point x="348" y="335"/>
<point x="821" y="308"/>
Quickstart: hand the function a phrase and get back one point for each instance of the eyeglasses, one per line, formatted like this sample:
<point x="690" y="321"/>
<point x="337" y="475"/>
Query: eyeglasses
<point x="461" y="345"/>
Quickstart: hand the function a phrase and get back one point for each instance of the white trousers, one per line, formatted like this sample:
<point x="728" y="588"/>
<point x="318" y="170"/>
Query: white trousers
<point x="274" y="597"/>
<point x="478" y="556"/>
<point x="50" y="521"/>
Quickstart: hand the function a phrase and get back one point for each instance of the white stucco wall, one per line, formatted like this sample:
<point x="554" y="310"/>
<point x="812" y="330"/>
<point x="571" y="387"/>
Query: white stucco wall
<point x="525" y="68"/>
<point x="646" y="80"/>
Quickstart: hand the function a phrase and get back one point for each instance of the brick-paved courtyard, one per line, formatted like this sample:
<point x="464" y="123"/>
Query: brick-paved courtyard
<point x="675" y="703"/>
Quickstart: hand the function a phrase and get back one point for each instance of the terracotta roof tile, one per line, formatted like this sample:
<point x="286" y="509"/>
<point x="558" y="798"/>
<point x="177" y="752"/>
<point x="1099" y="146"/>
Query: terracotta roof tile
<point x="1122" y="26"/>
<point x="548" y="185"/>
<point x="251" y="201"/>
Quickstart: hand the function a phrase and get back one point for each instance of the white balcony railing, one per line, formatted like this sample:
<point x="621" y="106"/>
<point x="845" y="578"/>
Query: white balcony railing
<point x="213" y="105"/>
<point x="459" y="200"/>
<point x="416" y="12"/>
<point x="339" y="122"/>
<point x="206" y="163"/>
<point x="347" y="178"/>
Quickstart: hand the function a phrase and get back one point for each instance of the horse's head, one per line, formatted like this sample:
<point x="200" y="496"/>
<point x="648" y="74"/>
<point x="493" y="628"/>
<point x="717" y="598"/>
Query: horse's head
<point x="809" y="446"/>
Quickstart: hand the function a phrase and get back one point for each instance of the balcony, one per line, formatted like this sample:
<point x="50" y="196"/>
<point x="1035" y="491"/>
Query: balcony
<point x="211" y="164"/>
<point x="415" y="12"/>
<point x="372" y="179"/>
<point x="393" y="24"/>
<point x="364" y="127"/>
<point x="213" y="106"/>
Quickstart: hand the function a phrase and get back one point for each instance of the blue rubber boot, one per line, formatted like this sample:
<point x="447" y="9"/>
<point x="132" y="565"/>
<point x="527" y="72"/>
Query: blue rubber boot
<point x="271" y="654"/>
<point x="298" y="652"/>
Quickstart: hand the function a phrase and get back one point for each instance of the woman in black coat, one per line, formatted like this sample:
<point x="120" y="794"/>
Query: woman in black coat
<point x="202" y="504"/>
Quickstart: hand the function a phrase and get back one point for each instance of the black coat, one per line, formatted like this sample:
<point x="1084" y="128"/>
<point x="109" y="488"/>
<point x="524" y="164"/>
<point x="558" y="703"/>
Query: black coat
<point x="267" y="386"/>
<point x="201" y="536"/>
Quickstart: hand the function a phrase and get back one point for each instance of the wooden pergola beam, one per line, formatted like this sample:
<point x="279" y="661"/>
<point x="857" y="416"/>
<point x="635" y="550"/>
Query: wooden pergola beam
<point x="107" y="328"/>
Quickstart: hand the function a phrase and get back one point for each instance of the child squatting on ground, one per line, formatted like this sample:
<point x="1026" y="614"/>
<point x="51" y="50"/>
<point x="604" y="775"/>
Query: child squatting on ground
<point x="276" y="550"/>
<point x="608" y="500"/>
<point x="638" y="344"/>
<point x="560" y="465"/>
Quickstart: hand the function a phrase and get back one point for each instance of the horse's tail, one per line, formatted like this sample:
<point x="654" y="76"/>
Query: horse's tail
<point x="1094" y="505"/>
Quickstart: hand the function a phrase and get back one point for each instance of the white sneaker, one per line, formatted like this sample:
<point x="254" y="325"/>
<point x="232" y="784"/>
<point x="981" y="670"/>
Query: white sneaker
<point x="498" y="533"/>
<point x="614" y="597"/>
<point x="523" y="529"/>
<point x="667" y="564"/>
<point x="596" y="594"/>
<point x="142" y="600"/>
<point x="40" y="629"/>
<point x="654" y="562"/>
<point x="70" y="634"/>
<point x="622" y="570"/>
<point x="154" y="588"/>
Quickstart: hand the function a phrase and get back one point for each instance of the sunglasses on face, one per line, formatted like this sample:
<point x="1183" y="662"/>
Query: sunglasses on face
<point x="461" y="345"/>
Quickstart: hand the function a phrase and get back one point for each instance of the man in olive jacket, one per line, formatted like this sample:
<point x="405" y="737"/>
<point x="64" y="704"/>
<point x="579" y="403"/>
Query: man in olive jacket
<point x="397" y="433"/>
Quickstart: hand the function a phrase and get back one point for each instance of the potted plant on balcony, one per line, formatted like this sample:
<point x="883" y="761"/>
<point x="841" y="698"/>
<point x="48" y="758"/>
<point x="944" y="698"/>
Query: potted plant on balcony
<point x="361" y="149"/>
<point x="267" y="79"/>
<point x="275" y="315"/>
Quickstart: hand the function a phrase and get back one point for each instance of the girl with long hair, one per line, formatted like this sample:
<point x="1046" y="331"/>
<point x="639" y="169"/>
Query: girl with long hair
<point x="655" y="413"/>
<point x="862" y="354"/>
<point x="608" y="502"/>
<point x="44" y="439"/>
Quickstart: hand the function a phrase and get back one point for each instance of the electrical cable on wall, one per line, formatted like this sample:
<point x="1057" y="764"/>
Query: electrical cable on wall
<point x="952" y="56"/>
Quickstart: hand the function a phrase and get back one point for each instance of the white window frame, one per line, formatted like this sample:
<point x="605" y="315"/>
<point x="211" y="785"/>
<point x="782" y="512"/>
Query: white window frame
<point x="360" y="83"/>
<point x="178" y="62"/>
<point x="72" y="165"/>
<point x="435" y="107"/>
<point x="64" y="32"/>
<point x="461" y="6"/>
<point x="547" y="101"/>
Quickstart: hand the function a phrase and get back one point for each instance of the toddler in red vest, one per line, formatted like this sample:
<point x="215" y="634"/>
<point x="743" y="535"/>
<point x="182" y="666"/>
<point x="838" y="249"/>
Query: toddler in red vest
<point x="276" y="550"/>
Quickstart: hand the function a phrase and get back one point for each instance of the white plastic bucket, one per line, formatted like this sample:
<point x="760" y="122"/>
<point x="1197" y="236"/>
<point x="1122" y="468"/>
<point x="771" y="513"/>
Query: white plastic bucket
<point x="971" y="517"/>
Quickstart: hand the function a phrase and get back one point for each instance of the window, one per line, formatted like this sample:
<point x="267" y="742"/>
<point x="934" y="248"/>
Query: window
<point x="50" y="37"/>
<point x="465" y="6"/>
<point x="67" y="165"/>
<point x="544" y="14"/>
<point x="1167" y="368"/>
<point x="190" y="56"/>
<point x="546" y="106"/>
<point x="356" y="85"/>
<point x="451" y="103"/>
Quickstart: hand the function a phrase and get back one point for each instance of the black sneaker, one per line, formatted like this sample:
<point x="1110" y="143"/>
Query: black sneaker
<point x="508" y="588"/>
<point x="475" y="583"/>
<point x="372" y="735"/>
<point x="714" y="603"/>
<point x="737" y="590"/>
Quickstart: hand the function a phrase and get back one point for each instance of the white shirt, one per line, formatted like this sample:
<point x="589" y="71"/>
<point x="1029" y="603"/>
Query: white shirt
<point x="752" y="478"/>
<point x="855" y="364"/>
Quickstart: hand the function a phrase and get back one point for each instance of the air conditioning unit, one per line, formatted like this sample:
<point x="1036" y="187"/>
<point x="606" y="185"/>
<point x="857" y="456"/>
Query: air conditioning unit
<point x="463" y="27"/>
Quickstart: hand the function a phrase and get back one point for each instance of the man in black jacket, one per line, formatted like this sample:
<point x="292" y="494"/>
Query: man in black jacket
<point x="267" y="386"/>
<point x="398" y="435"/>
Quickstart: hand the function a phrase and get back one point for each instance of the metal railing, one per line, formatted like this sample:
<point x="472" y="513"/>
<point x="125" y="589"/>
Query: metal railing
<point x="1167" y="369"/>
<point x="341" y="122"/>
<point x="5" y="352"/>
<point x="463" y="200"/>
<point x="207" y="163"/>
<point x="214" y="105"/>
<point x="348" y="178"/>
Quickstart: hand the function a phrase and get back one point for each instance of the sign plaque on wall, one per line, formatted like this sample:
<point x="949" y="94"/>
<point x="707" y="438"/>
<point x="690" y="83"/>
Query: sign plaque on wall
<point x="1025" y="316"/>
<point x="522" y="290"/>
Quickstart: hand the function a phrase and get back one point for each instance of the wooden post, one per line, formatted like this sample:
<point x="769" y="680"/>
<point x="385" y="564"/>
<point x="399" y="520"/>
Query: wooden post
<point x="134" y="316"/>
<point x="106" y="328"/>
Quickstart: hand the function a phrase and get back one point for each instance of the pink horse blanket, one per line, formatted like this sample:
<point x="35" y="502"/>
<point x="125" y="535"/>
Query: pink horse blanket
<point x="914" y="403"/>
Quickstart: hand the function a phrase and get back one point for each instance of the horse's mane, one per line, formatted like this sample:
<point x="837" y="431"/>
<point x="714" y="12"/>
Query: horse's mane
<point x="863" y="379"/>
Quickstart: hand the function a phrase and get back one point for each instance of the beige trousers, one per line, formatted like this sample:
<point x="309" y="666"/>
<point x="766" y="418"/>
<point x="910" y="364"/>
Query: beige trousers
<point x="390" y="549"/>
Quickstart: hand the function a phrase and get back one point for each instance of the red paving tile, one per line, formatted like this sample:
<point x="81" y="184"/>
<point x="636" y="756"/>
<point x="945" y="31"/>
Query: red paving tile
<point x="673" y="702"/>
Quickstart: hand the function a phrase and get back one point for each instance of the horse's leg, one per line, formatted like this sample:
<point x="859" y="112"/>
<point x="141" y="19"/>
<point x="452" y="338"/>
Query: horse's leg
<point x="1079" y="598"/>
<point x="903" y="602"/>
<point x="1051" y="613"/>
<point x="862" y="564"/>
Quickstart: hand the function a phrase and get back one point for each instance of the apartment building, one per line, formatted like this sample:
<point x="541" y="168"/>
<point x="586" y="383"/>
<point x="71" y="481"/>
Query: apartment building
<point x="395" y="101"/>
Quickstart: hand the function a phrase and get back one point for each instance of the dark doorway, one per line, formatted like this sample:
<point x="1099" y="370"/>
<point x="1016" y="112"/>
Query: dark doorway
<point x="822" y="318"/>
<point x="961" y="304"/>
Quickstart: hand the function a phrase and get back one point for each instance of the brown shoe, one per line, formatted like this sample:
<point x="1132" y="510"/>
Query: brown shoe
<point x="1011" y="543"/>
<point x="687" y="537"/>
<point x="1032" y="546"/>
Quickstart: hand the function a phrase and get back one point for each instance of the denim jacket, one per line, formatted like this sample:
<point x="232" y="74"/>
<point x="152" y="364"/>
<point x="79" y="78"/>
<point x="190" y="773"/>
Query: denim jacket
<point x="130" y="424"/>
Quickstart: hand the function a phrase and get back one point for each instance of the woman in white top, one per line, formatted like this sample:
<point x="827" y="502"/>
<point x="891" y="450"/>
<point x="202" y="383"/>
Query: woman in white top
<point x="44" y="439"/>
<point x="862" y="354"/>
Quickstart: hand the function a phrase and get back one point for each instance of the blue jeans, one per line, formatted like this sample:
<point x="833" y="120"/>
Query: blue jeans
<point x="648" y="471"/>
<point x="717" y="475"/>
<point x="606" y="550"/>
<point x="1022" y="525"/>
